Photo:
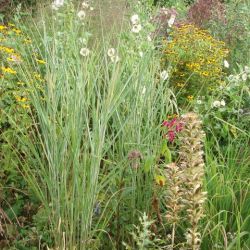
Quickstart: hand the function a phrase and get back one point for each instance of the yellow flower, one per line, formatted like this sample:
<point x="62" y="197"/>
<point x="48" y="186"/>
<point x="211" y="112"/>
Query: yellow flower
<point x="205" y="73"/>
<point x="27" y="41"/>
<point x="160" y="180"/>
<point x="37" y="76"/>
<point x="40" y="61"/>
<point x="2" y="27"/>
<point x="21" y="99"/>
<point x="11" y="24"/>
<point x="20" y="83"/>
<point x="8" y="70"/>
<point x="180" y="85"/>
<point x="17" y="31"/>
<point x="14" y="58"/>
<point x="26" y="106"/>
<point x="6" y="49"/>
<point x="190" y="97"/>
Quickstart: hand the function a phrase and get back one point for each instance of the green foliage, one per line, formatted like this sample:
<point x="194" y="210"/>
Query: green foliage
<point x="83" y="150"/>
<point x="8" y="8"/>
<point x="170" y="3"/>
<point x="235" y="31"/>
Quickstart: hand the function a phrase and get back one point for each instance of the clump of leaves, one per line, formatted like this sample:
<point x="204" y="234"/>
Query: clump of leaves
<point x="203" y="11"/>
<point x="142" y="236"/>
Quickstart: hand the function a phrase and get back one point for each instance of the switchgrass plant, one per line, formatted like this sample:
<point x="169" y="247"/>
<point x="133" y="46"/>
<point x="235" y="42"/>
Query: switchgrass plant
<point x="90" y="111"/>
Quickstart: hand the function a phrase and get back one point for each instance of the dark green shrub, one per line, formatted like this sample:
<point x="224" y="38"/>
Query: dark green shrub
<point x="8" y="7"/>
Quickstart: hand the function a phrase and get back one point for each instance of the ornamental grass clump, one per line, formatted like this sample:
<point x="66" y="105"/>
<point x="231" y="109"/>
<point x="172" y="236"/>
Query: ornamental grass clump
<point x="192" y="164"/>
<point x="196" y="59"/>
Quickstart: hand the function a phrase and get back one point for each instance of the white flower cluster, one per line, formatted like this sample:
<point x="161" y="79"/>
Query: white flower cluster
<point x="246" y="73"/>
<point x="57" y="4"/>
<point x="136" y="26"/>
<point x="218" y="104"/>
<point x="171" y="20"/>
<point x="84" y="52"/>
<point x="82" y="13"/>
<point x="164" y="75"/>
<point x="242" y="76"/>
<point x="226" y="64"/>
<point x="112" y="53"/>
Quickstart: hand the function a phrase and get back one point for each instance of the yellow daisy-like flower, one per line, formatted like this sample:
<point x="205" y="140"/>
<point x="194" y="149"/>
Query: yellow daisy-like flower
<point x="7" y="50"/>
<point x="17" y="31"/>
<point x="180" y="85"/>
<point x="14" y="58"/>
<point x="8" y="70"/>
<point x="190" y="97"/>
<point x="26" y="106"/>
<point x="40" y="61"/>
<point x="21" y="99"/>
<point x="37" y="76"/>
<point x="27" y="41"/>
<point x="2" y="27"/>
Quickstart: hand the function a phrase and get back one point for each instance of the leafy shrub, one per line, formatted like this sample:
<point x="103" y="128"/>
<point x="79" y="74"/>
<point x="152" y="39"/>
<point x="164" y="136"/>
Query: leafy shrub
<point x="236" y="32"/>
<point x="203" y="11"/>
<point x="195" y="57"/>
<point x="170" y="3"/>
<point x="7" y="7"/>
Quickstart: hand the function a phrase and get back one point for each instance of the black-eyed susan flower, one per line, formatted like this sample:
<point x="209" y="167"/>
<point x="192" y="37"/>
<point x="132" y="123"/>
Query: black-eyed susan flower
<point x="40" y="61"/>
<point x="8" y="70"/>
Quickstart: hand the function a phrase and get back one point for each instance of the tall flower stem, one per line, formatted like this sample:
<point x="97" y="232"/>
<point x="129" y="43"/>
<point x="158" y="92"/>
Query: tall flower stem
<point x="192" y="165"/>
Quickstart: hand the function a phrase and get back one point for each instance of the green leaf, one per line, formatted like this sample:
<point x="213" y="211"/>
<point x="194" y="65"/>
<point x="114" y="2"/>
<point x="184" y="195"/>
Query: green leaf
<point x="166" y="152"/>
<point x="148" y="163"/>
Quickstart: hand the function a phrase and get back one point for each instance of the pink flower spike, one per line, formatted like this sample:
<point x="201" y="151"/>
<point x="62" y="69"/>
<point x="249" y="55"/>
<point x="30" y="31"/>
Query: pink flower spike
<point x="172" y="123"/>
<point x="165" y="123"/>
<point x="171" y="135"/>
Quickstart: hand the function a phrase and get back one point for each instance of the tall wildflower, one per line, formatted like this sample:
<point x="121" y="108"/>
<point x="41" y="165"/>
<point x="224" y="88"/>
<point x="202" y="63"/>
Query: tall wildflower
<point x="192" y="165"/>
<point x="174" y="197"/>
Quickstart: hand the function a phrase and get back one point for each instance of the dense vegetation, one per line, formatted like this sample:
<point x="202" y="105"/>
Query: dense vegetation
<point x="125" y="125"/>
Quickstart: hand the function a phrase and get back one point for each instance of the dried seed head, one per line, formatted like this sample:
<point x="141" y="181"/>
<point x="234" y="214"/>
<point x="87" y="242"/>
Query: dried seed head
<point x="134" y="154"/>
<point x="192" y="165"/>
<point x="174" y="195"/>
